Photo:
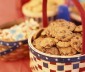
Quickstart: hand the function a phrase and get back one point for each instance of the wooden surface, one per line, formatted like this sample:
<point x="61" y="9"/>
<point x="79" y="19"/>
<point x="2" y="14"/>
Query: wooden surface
<point x="16" y="66"/>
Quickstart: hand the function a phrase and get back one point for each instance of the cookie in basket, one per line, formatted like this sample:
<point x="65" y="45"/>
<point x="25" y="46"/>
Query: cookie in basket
<point x="62" y="37"/>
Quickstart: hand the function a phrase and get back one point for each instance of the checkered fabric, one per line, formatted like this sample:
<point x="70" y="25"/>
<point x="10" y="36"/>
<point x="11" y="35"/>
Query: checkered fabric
<point x="39" y="65"/>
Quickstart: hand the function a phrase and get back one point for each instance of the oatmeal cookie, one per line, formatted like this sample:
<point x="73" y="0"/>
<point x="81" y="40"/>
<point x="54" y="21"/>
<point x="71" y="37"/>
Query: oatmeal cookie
<point x="76" y="43"/>
<point x="71" y="26"/>
<point x="63" y="23"/>
<point x="63" y="44"/>
<point x="61" y="37"/>
<point x="78" y="28"/>
<point x="52" y="51"/>
<point x="46" y="32"/>
<point x="56" y="26"/>
<point x="64" y="34"/>
<point x="47" y="42"/>
<point x="36" y="43"/>
<point x="77" y="34"/>
<point x="69" y="51"/>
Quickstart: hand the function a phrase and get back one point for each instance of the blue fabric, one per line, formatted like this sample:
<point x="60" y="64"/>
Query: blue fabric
<point x="63" y="13"/>
<point x="75" y="66"/>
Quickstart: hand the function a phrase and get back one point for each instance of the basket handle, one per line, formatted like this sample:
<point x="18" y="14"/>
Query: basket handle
<point x="80" y="9"/>
<point x="44" y="15"/>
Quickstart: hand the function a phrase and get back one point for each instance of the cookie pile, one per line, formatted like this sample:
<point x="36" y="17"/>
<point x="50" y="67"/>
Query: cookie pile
<point x="61" y="37"/>
<point x="36" y="6"/>
<point x="18" y="32"/>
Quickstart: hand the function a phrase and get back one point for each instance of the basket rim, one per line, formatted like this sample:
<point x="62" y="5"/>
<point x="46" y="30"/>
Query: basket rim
<point x="14" y="47"/>
<point x="12" y="43"/>
<point x="9" y="50"/>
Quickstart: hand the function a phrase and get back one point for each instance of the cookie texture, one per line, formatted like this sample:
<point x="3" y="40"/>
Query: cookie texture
<point x="61" y="37"/>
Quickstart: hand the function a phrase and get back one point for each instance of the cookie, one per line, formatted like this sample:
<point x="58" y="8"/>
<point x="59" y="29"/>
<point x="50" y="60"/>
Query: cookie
<point x="69" y="51"/>
<point x="78" y="28"/>
<point x="47" y="42"/>
<point x="63" y="44"/>
<point x="61" y="37"/>
<point x="64" y="34"/>
<point x="52" y="51"/>
<point x="63" y="23"/>
<point x="46" y="32"/>
<point x="77" y="34"/>
<point x="59" y="23"/>
<point x="37" y="42"/>
<point x="76" y="43"/>
<point x="59" y="26"/>
<point x="71" y="26"/>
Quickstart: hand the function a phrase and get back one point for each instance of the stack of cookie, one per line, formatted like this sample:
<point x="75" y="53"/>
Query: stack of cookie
<point x="61" y="37"/>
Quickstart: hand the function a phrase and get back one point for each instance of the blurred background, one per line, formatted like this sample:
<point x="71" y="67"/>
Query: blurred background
<point x="11" y="9"/>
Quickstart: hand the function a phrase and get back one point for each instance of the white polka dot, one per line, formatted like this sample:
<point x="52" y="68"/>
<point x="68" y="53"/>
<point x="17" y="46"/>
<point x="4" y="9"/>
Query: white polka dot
<point x="78" y="58"/>
<point x="56" y="59"/>
<point x="1" y="43"/>
<point x="68" y="59"/>
<point x="47" y="58"/>
<point x="7" y="44"/>
<point x="14" y="43"/>
<point x="38" y="55"/>
<point x="63" y="59"/>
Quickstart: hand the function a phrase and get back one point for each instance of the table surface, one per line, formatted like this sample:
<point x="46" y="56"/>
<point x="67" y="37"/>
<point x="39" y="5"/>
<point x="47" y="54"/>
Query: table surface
<point x="16" y="66"/>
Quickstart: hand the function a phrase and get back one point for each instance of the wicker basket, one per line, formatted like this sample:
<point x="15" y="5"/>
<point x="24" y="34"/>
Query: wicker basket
<point x="41" y="62"/>
<point x="17" y="50"/>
